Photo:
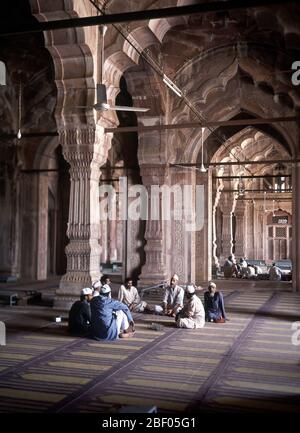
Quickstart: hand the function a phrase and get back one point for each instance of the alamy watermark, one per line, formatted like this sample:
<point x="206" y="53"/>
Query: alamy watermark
<point x="296" y="74"/>
<point x="2" y="334"/>
<point x="156" y="202"/>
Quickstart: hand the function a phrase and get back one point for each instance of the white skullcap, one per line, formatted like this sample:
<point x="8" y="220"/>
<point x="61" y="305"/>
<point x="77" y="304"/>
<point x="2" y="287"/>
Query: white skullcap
<point x="175" y="277"/>
<point x="86" y="291"/>
<point x="190" y="288"/>
<point x="96" y="284"/>
<point x="212" y="284"/>
<point x="105" y="289"/>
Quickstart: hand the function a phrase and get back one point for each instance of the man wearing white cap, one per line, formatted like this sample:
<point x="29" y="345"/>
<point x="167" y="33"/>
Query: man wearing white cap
<point x="80" y="313"/>
<point x="110" y="318"/>
<point x="214" y="305"/>
<point x="192" y="315"/>
<point x="173" y="299"/>
<point x="96" y="286"/>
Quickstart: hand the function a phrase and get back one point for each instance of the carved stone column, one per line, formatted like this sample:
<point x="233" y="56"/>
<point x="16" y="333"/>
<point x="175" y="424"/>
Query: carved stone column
<point x="204" y="236"/>
<point x="215" y="259"/>
<point x="85" y="150"/>
<point x="154" y="269"/>
<point x="296" y="227"/>
<point x="227" y="205"/>
<point x="240" y="229"/>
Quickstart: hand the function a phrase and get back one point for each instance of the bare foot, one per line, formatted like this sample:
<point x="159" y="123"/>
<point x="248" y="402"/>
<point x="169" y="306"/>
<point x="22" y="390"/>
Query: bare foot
<point x="126" y="335"/>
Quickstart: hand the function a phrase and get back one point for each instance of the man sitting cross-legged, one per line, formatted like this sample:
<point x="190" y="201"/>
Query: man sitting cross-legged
<point x="109" y="317"/>
<point x="192" y="315"/>
<point x="173" y="299"/>
<point x="80" y="313"/>
<point x="128" y="294"/>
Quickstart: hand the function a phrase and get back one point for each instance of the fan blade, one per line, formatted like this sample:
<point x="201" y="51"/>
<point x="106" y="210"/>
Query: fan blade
<point x="124" y="108"/>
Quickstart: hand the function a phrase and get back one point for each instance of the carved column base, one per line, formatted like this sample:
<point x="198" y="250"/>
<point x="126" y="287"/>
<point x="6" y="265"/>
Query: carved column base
<point x="153" y="271"/>
<point x="83" y="270"/>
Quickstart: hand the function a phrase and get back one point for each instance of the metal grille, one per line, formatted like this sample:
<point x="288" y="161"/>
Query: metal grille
<point x="280" y="232"/>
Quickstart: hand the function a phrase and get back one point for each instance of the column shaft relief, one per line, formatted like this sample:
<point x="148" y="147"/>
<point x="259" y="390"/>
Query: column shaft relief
<point x="154" y="268"/>
<point x="240" y="229"/>
<point x="227" y="206"/>
<point x="85" y="150"/>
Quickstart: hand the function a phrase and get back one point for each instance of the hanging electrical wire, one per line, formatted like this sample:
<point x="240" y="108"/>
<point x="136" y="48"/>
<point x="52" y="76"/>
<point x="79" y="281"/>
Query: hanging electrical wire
<point x="152" y="63"/>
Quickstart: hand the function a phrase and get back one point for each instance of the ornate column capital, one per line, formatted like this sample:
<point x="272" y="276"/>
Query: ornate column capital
<point x="85" y="145"/>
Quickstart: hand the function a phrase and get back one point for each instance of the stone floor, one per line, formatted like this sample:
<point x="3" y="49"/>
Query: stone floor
<point x="248" y="364"/>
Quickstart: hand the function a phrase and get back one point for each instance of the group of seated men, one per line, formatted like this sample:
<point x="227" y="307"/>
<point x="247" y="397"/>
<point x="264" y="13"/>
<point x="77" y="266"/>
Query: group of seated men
<point x="101" y="317"/>
<point x="242" y="269"/>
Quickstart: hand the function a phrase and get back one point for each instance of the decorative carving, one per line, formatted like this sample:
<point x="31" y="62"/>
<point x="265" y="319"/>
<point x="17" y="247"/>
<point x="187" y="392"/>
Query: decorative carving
<point x="155" y="266"/>
<point x="85" y="150"/>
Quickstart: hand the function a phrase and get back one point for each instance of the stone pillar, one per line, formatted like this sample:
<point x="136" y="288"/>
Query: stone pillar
<point x="215" y="259"/>
<point x="296" y="227"/>
<point x="85" y="150"/>
<point x="227" y="205"/>
<point x="204" y="236"/>
<point x="154" y="269"/>
<point x="185" y="225"/>
<point x="42" y="240"/>
<point x="240" y="229"/>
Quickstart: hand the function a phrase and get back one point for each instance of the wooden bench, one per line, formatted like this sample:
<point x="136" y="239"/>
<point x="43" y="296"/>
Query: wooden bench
<point x="9" y="298"/>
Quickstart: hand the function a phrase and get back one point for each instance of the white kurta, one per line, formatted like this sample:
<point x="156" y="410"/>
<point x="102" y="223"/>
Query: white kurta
<point x="174" y="296"/>
<point x="275" y="273"/>
<point x="192" y="315"/>
<point x="132" y="299"/>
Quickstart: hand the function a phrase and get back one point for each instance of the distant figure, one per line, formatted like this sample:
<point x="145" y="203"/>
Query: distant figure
<point x="96" y="288"/>
<point x="214" y="305"/>
<point x="192" y="315"/>
<point x="249" y="272"/>
<point x="105" y="280"/>
<point x="230" y="268"/>
<point x="80" y="313"/>
<point x="258" y="270"/>
<point x="110" y="319"/>
<point x="275" y="273"/>
<point x="173" y="299"/>
<point x="243" y="263"/>
<point x="129" y="295"/>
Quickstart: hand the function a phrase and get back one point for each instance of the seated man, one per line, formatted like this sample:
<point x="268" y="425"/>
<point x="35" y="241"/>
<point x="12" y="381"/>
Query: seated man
<point x="249" y="272"/>
<point x="275" y="273"/>
<point x="230" y="268"/>
<point x="99" y="283"/>
<point x="80" y="313"/>
<point x="258" y="270"/>
<point x="128" y="294"/>
<point x="173" y="299"/>
<point x="96" y="288"/>
<point x="109" y="317"/>
<point x="192" y="315"/>
<point x="214" y="305"/>
<point x="105" y="280"/>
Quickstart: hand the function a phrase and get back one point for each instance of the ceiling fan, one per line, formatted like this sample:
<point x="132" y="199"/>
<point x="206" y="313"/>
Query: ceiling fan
<point x="101" y="91"/>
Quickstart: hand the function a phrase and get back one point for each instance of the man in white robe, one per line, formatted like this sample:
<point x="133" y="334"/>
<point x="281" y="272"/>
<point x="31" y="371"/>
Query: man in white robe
<point x="192" y="316"/>
<point x="129" y="295"/>
<point x="275" y="273"/>
<point x="173" y="299"/>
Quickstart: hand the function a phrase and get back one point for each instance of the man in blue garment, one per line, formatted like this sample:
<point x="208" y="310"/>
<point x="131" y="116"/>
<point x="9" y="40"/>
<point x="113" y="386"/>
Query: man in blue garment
<point x="110" y="319"/>
<point x="214" y="305"/>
